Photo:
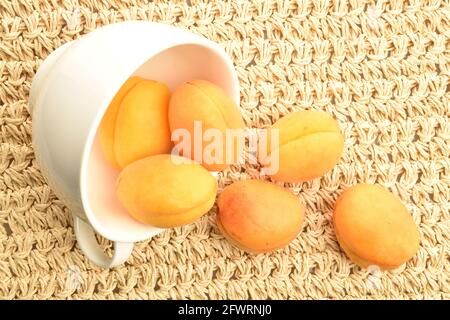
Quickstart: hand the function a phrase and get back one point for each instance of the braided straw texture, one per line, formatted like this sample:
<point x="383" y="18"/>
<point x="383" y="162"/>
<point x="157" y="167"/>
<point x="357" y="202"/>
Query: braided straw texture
<point x="380" y="68"/>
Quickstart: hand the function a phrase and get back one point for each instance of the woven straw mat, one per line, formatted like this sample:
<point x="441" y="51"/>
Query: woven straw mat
<point x="380" y="68"/>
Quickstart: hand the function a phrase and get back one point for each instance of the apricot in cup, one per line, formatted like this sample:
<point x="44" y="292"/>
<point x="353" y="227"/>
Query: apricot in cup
<point x="205" y="103"/>
<point x="166" y="191"/>
<point x="135" y="124"/>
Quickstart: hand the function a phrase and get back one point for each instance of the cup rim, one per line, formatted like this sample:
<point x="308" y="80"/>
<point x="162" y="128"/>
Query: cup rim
<point x="90" y="215"/>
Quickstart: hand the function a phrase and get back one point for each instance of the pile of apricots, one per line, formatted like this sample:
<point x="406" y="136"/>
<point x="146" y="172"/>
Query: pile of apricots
<point x="164" y="190"/>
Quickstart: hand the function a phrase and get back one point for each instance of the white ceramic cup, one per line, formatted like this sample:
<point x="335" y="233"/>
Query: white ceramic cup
<point x="68" y="97"/>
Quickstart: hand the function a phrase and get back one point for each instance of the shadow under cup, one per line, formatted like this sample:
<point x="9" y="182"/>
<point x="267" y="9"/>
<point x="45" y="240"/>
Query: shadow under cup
<point x="173" y="67"/>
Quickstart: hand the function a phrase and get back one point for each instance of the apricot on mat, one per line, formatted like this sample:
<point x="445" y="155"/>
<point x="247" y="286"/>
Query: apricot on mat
<point x="374" y="228"/>
<point x="258" y="216"/>
<point x="310" y="144"/>
<point x="204" y="103"/>
<point x="135" y="124"/>
<point x="166" y="190"/>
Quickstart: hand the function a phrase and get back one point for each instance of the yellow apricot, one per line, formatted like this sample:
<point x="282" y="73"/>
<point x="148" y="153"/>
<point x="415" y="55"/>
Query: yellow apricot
<point x="136" y="124"/>
<point x="166" y="190"/>
<point x="373" y="227"/>
<point x="310" y="144"/>
<point x="258" y="216"/>
<point x="108" y="123"/>
<point x="203" y="102"/>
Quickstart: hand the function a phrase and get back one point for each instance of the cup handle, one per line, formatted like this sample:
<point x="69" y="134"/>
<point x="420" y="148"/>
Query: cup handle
<point x="89" y="245"/>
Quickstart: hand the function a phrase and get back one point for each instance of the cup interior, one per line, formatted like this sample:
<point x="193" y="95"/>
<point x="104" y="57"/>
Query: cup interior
<point x="172" y="67"/>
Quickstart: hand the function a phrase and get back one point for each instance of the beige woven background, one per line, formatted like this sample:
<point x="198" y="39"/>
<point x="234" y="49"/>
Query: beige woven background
<point x="381" y="68"/>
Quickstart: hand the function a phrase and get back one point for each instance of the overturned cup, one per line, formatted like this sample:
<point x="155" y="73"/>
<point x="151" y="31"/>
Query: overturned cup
<point x="69" y="95"/>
